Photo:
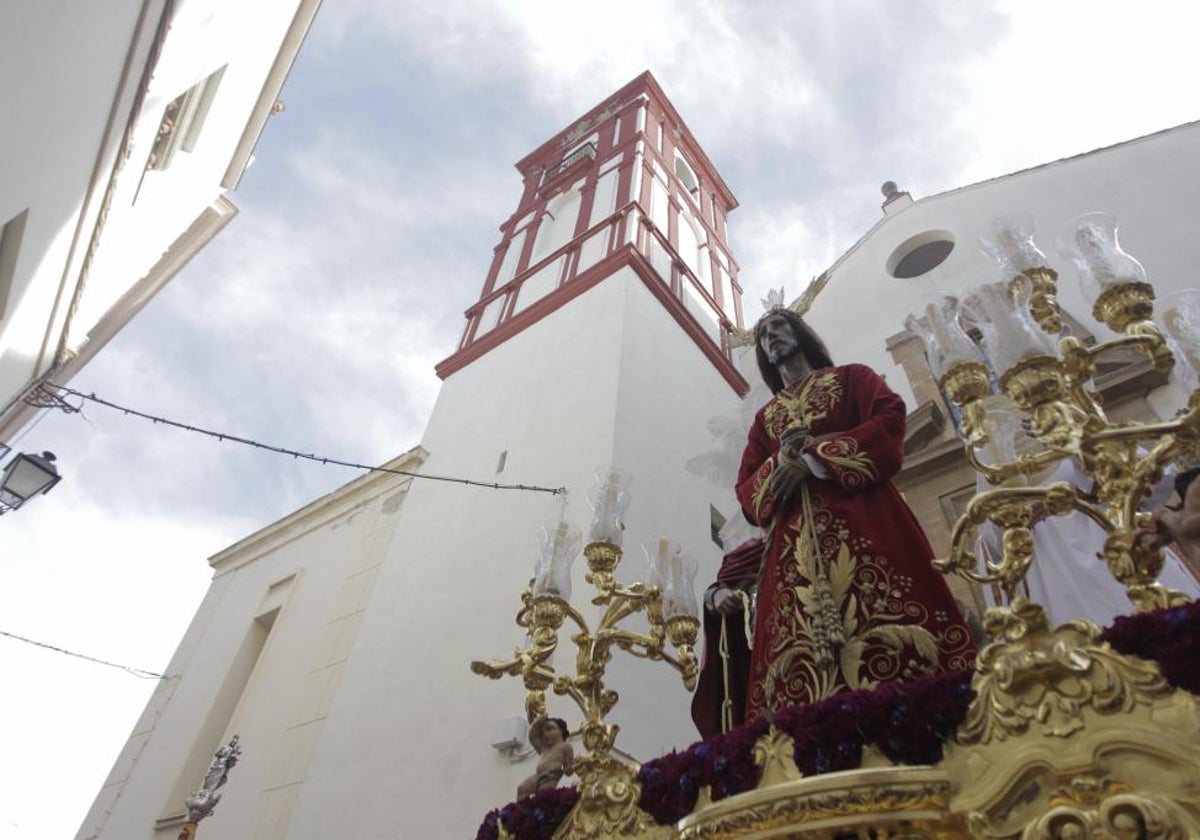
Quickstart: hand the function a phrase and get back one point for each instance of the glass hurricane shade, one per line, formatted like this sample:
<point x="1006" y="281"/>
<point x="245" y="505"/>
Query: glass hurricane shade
<point x="558" y="545"/>
<point x="1002" y="314"/>
<point x="609" y="499"/>
<point x="25" y="477"/>
<point x="1090" y="243"/>
<point x="946" y="344"/>
<point x="1002" y="421"/>
<point x="1179" y="316"/>
<point x="657" y="554"/>
<point x="679" y="587"/>
<point x="1009" y="242"/>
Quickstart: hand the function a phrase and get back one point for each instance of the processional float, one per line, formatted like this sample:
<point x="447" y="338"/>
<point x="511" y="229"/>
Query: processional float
<point x="1062" y="733"/>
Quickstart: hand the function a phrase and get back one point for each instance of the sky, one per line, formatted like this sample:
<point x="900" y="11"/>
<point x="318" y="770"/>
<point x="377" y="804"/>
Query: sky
<point x="366" y="229"/>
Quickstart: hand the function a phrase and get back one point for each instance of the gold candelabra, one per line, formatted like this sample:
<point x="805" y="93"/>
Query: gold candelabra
<point x="608" y="788"/>
<point x="1048" y="383"/>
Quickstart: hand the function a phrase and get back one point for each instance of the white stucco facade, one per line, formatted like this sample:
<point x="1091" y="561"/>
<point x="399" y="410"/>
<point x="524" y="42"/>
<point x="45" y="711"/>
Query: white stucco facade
<point x="608" y="379"/>
<point x="1151" y="184"/>
<point x="136" y="118"/>
<point x="262" y="657"/>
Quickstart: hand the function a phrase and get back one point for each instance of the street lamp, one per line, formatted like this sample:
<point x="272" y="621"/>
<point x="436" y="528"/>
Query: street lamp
<point x="25" y="477"/>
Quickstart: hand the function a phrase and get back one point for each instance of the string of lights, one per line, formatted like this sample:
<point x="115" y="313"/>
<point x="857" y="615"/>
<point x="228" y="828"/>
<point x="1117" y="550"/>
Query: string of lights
<point x="137" y="672"/>
<point x="222" y="436"/>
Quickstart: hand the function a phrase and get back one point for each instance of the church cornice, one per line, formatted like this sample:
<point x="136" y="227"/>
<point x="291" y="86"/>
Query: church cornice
<point x="320" y="512"/>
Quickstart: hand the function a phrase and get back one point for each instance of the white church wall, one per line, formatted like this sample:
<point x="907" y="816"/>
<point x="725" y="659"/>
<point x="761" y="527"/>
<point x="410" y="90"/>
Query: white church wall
<point x="659" y="202"/>
<point x="261" y="659"/>
<point x="1152" y="186"/>
<point x="508" y="266"/>
<point x="605" y="199"/>
<point x="702" y="311"/>
<point x="727" y="297"/>
<point x="593" y="250"/>
<point x="538" y="285"/>
<point x="660" y="259"/>
<point x="557" y="224"/>
<point x="668" y="391"/>
<point x="409" y="718"/>
<point x="690" y="236"/>
<point x="491" y="314"/>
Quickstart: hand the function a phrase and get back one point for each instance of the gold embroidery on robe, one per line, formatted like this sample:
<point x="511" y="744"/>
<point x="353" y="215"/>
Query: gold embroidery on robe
<point x="853" y="467"/>
<point x="819" y="393"/>
<point x="877" y="613"/>
<point x="764" y="483"/>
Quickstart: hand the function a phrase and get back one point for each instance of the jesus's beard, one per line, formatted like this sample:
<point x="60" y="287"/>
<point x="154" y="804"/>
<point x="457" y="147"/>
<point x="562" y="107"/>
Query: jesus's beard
<point x="783" y="355"/>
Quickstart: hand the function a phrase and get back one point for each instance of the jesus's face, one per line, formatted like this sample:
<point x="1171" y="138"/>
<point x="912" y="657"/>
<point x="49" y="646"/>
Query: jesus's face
<point x="777" y="338"/>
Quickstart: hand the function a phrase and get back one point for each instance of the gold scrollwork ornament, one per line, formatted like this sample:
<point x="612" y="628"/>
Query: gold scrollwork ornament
<point x="607" y="807"/>
<point x="774" y="752"/>
<point x="1035" y="678"/>
<point x="1125" y="816"/>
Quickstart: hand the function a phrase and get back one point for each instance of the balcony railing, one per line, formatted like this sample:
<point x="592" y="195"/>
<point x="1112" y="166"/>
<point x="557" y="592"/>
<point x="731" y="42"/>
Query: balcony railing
<point x="586" y="151"/>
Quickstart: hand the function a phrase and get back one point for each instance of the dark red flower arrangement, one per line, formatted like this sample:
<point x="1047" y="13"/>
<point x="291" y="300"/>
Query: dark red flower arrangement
<point x="909" y="722"/>
<point x="671" y="784"/>
<point x="1170" y="637"/>
<point x="535" y="817"/>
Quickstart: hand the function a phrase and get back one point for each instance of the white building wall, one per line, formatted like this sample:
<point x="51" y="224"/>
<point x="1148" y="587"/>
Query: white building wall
<point x="667" y="393"/>
<point x="608" y="377"/>
<point x="207" y="36"/>
<point x="60" y="66"/>
<point x="73" y="73"/>
<point x="318" y="568"/>
<point x="1152" y="186"/>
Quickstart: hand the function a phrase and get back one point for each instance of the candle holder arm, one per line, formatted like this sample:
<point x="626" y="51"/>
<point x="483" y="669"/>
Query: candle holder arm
<point x="566" y="685"/>
<point x="641" y="645"/>
<point x="1025" y="465"/>
<point x="1014" y="510"/>
<point x="1185" y="427"/>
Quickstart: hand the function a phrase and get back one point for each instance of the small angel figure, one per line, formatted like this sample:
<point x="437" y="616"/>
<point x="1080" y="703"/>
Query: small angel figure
<point x="556" y="758"/>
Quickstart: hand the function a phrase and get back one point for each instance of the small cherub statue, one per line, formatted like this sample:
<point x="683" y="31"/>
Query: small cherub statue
<point x="556" y="758"/>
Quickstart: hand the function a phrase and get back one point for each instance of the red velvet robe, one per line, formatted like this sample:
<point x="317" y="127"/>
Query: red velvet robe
<point x="898" y="617"/>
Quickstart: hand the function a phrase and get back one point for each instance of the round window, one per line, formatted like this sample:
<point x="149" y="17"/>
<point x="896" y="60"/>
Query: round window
<point x="921" y="254"/>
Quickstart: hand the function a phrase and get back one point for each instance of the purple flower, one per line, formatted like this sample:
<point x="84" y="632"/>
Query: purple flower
<point x="1171" y="637"/>
<point x="536" y="817"/>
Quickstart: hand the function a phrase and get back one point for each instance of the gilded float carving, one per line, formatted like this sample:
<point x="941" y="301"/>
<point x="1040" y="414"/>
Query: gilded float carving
<point x="1042" y="679"/>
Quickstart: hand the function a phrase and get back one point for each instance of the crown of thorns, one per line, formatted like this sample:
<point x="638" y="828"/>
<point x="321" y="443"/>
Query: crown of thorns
<point x="774" y="302"/>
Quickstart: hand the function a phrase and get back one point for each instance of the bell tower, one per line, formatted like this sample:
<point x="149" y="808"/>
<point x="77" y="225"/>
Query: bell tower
<point x="626" y="185"/>
<point x="597" y="339"/>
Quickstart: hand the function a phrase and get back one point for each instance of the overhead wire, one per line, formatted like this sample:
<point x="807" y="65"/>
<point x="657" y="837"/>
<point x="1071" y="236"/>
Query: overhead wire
<point x="224" y="436"/>
<point x="137" y="672"/>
